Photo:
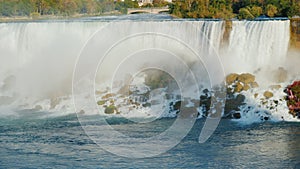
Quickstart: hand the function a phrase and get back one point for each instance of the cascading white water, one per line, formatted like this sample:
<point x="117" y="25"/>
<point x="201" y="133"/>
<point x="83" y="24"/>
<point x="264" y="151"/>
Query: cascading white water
<point x="261" y="48"/>
<point x="38" y="59"/>
<point x="257" y="44"/>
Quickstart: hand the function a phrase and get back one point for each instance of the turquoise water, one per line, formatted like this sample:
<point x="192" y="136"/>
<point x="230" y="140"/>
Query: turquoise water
<point x="33" y="141"/>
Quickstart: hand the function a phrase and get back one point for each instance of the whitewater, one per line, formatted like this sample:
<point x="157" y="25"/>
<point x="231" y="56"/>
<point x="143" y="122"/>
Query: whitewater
<point x="38" y="60"/>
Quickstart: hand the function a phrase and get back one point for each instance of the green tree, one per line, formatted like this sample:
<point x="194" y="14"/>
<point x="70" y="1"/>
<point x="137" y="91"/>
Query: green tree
<point x="294" y="10"/>
<point x="244" y="13"/>
<point x="69" y="7"/>
<point x="122" y="6"/>
<point x="271" y="10"/>
<point x="159" y="3"/>
<point x="256" y="11"/>
<point x="24" y="8"/>
<point x="7" y="8"/>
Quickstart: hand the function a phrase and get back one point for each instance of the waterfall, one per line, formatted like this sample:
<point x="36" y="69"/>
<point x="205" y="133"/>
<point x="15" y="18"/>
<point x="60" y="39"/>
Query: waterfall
<point x="41" y="56"/>
<point x="38" y="58"/>
<point x="257" y="44"/>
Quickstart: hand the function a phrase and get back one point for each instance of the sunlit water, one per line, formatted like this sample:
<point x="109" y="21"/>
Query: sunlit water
<point x="61" y="143"/>
<point x="30" y="139"/>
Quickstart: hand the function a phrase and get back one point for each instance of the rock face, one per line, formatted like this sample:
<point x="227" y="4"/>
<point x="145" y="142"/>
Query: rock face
<point x="110" y="109"/>
<point x="234" y="99"/>
<point x="268" y="94"/>
<point x="233" y="102"/>
<point x="231" y="78"/>
<point x="293" y="98"/>
<point x="241" y="82"/>
<point x="246" y="78"/>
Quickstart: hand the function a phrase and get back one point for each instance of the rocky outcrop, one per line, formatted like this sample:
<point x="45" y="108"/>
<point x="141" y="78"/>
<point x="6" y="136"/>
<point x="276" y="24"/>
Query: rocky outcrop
<point x="235" y="105"/>
<point x="293" y="98"/>
<point x="240" y="82"/>
<point x="110" y="109"/>
<point x="237" y="83"/>
<point x="268" y="94"/>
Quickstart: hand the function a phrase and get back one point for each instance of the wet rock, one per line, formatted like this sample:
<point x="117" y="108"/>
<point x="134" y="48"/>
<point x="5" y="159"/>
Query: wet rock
<point x="243" y="82"/>
<point x="236" y="115"/>
<point x="246" y="78"/>
<point x="146" y="104"/>
<point x="231" y="78"/>
<point x="233" y="103"/>
<point x="98" y="92"/>
<point x="254" y="84"/>
<point x="238" y="87"/>
<point x="205" y="102"/>
<point x="264" y="118"/>
<point x="268" y="94"/>
<point x="110" y="109"/>
<point x="101" y="102"/>
<point x="108" y="95"/>
<point x="175" y="106"/>
<point x="246" y="87"/>
<point x="275" y="87"/>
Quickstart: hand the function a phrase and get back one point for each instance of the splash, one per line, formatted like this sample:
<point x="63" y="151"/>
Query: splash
<point x="38" y="59"/>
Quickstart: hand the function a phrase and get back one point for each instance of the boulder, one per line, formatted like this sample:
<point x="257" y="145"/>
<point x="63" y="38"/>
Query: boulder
<point x="243" y="82"/>
<point x="254" y="84"/>
<point x="238" y="87"/>
<point x="268" y="94"/>
<point x="231" y="78"/>
<point x="246" y="78"/>
<point x="233" y="103"/>
<point x="236" y="115"/>
<point x="246" y="87"/>
<point x="110" y="109"/>
<point x="108" y="95"/>
<point x="175" y="106"/>
<point x="101" y="102"/>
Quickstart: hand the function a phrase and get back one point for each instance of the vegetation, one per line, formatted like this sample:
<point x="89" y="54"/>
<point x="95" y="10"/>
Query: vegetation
<point x="242" y="9"/>
<point x="36" y="8"/>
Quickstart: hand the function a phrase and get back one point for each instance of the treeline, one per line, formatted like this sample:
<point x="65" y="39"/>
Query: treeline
<point x="242" y="9"/>
<point x="226" y="9"/>
<point x="62" y="7"/>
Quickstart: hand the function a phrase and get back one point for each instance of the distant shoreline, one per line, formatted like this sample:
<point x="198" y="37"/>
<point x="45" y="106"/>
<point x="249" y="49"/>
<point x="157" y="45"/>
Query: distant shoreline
<point x="79" y="16"/>
<point x="51" y="17"/>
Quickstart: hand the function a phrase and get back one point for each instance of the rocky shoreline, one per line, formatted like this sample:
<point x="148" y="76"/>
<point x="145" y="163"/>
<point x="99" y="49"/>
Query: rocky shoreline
<point x="235" y="104"/>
